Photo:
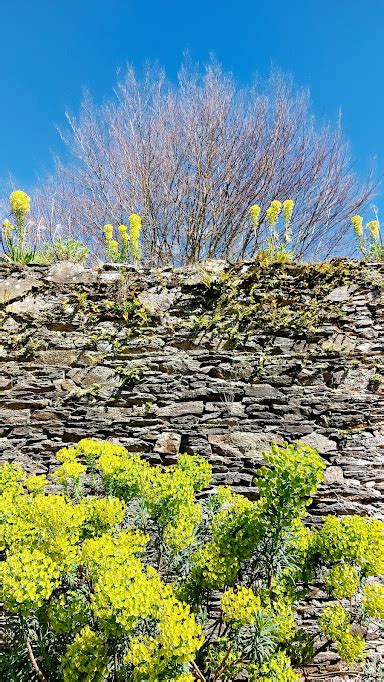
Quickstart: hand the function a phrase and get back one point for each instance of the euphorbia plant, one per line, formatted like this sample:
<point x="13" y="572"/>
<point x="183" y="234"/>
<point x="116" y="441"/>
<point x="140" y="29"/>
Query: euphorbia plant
<point x="128" y="574"/>
<point x="14" y="236"/>
<point x="126" y="247"/>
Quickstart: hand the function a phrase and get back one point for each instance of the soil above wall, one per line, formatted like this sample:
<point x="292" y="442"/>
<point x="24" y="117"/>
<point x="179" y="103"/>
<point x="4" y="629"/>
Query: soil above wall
<point x="215" y="359"/>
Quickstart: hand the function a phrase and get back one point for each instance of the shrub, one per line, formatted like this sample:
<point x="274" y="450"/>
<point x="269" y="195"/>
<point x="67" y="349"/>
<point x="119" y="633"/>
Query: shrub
<point x="118" y="585"/>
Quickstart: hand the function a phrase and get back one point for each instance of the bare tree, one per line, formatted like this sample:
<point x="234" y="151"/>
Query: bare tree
<point x="193" y="158"/>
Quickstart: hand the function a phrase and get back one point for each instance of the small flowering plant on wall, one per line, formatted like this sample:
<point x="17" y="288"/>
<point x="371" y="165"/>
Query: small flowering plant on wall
<point x="369" y="239"/>
<point x="277" y="243"/>
<point x="113" y="575"/>
<point x="14" y="235"/>
<point x="121" y="245"/>
<point x="21" y="242"/>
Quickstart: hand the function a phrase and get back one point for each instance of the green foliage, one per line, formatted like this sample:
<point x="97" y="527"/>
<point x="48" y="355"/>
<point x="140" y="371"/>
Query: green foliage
<point x="273" y="297"/>
<point x="62" y="250"/>
<point x="117" y="586"/>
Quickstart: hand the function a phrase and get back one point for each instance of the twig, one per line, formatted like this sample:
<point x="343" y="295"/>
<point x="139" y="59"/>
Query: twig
<point x="33" y="659"/>
<point x="198" y="672"/>
<point x="338" y="673"/>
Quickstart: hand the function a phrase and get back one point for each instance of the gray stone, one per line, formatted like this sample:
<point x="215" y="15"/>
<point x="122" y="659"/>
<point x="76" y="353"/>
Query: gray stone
<point x="341" y="294"/>
<point x="157" y="301"/>
<point x="179" y="409"/>
<point x="263" y="392"/>
<point x="322" y="444"/>
<point x="12" y="287"/>
<point x="168" y="443"/>
<point x="65" y="272"/>
<point x="333" y="474"/>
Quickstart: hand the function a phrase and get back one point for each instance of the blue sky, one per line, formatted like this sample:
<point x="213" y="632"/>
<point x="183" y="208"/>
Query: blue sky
<point x="51" y="50"/>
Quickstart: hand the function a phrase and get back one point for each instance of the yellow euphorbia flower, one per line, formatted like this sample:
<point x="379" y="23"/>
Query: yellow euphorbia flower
<point x="255" y="214"/>
<point x="374" y="227"/>
<point x="108" y="231"/>
<point x="20" y="202"/>
<point x="288" y="206"/>
<point x="273" y="212"/>
<point x="357" y="222"/>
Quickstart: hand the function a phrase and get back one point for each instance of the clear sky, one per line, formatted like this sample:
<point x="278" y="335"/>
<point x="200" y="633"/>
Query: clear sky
<point x="50" y="50"/>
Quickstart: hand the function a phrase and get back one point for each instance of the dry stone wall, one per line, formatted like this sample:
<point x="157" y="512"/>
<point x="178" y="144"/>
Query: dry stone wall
<point x="215" y="359"/>
<point x="117" y="353"/>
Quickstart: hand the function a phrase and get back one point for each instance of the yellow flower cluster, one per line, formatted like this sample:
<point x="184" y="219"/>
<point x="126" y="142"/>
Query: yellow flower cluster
<point x="86" y="658"/>
<point x="108" y="552"/>
<point x="135" y="225"/>
<point x="373" y="600"/>
<point x="334" y="622"/>
<point x="11" y="478"/>
<point x="235" y="534"/>
<point x="169" y="495"/>
<point x="178" y="639"/>
<point x="354" y="539"/>
<point x="27" y="579"/>
<point x="277" y="669"/>
<point x="374" y="228"/>
<point x="213" y="569"/>
<point x="129" y="246"/>
<point x="342" y="581"/>
<point x="70" y="471"/>
<point x="255" y="215"/>
<point x="240" y="606"/>
<point x="288" y="206"/>
<point x="103" y="514"/>
<point x="7" y="228"/>
<point x="357" y="223"/>
<point x="20" y="202"/>
<point x="372" y="246"/>
<point x="89" y="449"/>
<point x="36" y="483"/>
<point x="273" y="213"/>
<point x="69" y="612"/>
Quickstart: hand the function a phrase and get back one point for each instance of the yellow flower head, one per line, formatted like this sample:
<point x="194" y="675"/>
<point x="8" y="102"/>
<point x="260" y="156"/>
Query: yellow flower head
<point x="108" y="231"/>
<point x="240" y="606"/>
<point x="373" y="600"/>
<point x="36" y="483"/>
<point x="288" y="206"/>
<point x="113" y="247"/>
<point x="20" y="202"/>
<point x="255" y="214"/>
<point x="122" y="229"/>
<point x="374" y="227"/>
<point x="273" y="212"/>
<point x="357" y="222"/>
<point x="7" y="228"/>
<point x="135" y="224"/>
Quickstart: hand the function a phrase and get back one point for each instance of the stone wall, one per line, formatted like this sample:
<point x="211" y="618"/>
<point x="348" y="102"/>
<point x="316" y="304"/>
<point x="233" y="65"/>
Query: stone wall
<point x="215" y="359"/>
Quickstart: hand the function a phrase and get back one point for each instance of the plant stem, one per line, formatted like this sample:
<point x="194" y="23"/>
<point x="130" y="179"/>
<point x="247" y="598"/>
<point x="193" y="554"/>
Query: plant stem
<point x="33" y="659"/>
<point x="198" y="672"/>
